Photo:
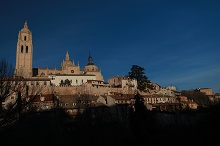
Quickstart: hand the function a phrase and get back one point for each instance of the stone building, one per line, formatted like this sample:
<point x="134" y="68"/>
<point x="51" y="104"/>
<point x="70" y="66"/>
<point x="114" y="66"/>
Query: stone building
<point x="67" y="68"/>
<point x="24" y="59"/>
<point x="24" y="53"/>
<point x="207" y="91"/>
<point x="122" y="82"/>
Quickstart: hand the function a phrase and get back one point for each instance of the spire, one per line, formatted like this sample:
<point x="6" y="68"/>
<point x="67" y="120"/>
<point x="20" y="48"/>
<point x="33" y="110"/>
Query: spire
<point x="73" y="63"/>
<point x="90" y="62"/>
<point x="25" y="24"/>
<point x="67" y="56"/>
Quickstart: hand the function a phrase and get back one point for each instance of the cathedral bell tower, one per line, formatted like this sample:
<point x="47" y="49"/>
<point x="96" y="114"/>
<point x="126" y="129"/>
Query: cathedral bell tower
<point x="24" y="53"/>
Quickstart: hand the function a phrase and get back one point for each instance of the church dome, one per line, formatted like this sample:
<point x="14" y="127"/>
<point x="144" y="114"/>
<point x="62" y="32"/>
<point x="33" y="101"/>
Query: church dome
<point x="91" y="68"/>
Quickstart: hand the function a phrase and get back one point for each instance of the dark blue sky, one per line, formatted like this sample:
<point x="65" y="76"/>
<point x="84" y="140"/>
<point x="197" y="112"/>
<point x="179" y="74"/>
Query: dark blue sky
<point x="176" y="41"/>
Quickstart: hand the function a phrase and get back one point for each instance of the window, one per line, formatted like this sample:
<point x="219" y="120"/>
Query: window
<point x="42" y="74"/>
<point x="45" y="83"/>
<point x="82" y="81"/>
<point x="53" y="78"/>
<point x="72" y="71"/>
<point x="26" y="49"/>
<point x="76" y="81"/>
<point x="22" y="49"/>
<point x="25" y="38"/>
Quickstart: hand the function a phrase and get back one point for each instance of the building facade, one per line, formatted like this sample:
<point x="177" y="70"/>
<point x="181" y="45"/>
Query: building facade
<point x="24" y="53"/>
<point x="24" y="58"/>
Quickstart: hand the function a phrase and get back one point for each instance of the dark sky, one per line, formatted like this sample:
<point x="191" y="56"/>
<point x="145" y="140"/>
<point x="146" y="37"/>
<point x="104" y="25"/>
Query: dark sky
<point x="176" y="41"/>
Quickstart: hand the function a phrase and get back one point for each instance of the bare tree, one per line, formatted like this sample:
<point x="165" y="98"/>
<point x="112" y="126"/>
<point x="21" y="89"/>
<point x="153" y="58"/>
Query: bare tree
<point x="18" y="88"/>
<point x="6" y="73"/>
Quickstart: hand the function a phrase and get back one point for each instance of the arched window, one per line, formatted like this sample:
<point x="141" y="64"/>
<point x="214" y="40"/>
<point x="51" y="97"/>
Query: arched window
<point x="25" y="38"/>
<point x="26" y="49"/>
<point x="42" y="74"/>
<point x="22" y="49"/>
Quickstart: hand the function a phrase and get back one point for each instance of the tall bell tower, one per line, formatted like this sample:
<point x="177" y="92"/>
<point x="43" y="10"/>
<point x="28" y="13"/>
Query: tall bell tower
<point x="24" y="53"/>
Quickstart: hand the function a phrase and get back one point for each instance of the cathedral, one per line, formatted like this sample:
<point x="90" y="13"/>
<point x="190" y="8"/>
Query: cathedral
<point x="68" y="70"/>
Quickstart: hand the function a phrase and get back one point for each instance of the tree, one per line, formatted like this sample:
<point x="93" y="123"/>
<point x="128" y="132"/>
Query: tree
<point x="14" y="91"/>
<point x="6" y="73"/>
<point x="197" y="96"/>
<point x="137" y="73"/>
<point x="66" y="82"/>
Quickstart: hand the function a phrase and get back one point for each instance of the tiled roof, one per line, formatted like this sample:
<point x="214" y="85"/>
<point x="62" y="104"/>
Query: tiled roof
<point x="40" y="98"/>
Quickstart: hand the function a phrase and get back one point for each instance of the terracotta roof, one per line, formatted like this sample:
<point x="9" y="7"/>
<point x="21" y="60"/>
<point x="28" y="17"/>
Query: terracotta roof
<point x="42" y="98"/>
<point x="67" y="98"/>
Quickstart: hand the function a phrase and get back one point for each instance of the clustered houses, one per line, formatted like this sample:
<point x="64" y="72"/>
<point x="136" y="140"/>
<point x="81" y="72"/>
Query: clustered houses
<point x="74" y="90"/>
<point x="100" y="105"/>
<point x="24" y="86"/>
<point x="40" y="102"/>
<point x="122" y="82"/>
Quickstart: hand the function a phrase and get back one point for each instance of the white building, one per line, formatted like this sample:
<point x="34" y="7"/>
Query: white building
<point x="73" y="80"/>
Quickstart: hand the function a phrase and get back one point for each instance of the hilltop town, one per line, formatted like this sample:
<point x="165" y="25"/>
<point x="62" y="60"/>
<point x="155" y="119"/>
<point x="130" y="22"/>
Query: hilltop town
<point x="83" y="98"/>
<point x="70" y="81"/>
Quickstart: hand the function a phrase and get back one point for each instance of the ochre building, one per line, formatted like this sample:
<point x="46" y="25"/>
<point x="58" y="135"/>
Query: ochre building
<point x="24" y="59"/>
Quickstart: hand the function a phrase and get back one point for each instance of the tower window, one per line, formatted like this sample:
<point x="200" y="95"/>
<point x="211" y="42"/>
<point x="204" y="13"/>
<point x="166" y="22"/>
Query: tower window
<point x="25" y="38"/>
<point x="26" y="49"/>
<point x="22" y="49"/>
